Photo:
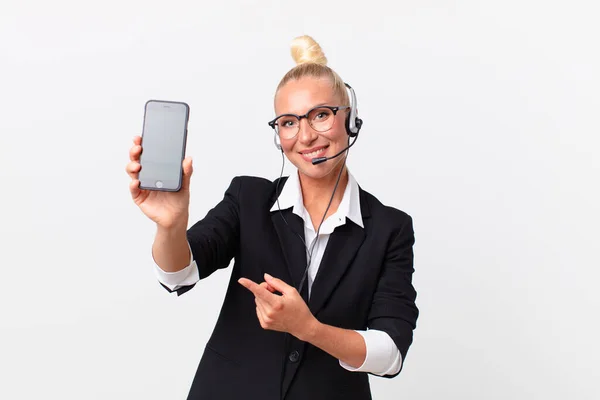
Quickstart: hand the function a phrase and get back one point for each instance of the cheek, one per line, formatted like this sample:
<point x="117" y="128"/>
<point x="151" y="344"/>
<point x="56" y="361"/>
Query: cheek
<point x="287" y="145"/>
<point x="338" y="135"/>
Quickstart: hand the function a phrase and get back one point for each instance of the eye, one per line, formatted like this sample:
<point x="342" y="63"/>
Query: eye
<point x="320" y="114"/>
<point x="287" y="122"/>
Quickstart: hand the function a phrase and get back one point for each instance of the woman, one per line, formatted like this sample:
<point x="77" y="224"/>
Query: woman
<point x="321" y="289"/>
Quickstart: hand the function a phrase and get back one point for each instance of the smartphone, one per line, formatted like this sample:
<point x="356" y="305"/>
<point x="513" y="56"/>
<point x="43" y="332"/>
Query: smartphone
<point x="164" y="138"/>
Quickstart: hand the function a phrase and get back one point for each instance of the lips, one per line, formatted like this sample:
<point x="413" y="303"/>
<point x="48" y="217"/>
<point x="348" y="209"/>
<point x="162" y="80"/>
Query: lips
<point x="314" y="152"/>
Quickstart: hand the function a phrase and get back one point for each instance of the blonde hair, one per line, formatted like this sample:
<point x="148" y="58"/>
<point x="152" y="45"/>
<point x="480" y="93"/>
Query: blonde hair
<point x="311" y="61"/>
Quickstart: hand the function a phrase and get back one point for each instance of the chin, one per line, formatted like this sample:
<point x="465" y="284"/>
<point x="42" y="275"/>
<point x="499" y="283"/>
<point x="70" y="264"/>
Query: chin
<point x="318" y="171"/>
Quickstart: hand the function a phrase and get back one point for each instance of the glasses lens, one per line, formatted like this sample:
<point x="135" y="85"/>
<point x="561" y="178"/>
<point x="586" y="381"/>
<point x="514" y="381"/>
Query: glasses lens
<point x="287" y="126"/>
<point x="321" y="119"/>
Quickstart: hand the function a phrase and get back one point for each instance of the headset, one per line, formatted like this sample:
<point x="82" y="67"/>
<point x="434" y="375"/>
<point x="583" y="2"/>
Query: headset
<point x="353" y="125"/>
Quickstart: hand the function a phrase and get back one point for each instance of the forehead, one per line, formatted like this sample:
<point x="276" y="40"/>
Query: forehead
<point x="299" y="96"/>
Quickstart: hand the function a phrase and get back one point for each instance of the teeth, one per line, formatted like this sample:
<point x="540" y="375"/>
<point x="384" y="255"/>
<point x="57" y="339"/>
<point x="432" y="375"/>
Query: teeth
<point x="314" y="153"/>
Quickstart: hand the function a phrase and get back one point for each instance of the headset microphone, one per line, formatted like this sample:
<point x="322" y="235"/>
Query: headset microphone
<point x="319" y="160"/>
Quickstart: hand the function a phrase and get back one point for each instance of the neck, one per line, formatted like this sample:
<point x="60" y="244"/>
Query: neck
<point x="316" y="193"/>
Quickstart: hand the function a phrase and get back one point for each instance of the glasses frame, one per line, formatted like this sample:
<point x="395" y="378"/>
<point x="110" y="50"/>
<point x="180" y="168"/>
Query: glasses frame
<point x="334" y="110"/>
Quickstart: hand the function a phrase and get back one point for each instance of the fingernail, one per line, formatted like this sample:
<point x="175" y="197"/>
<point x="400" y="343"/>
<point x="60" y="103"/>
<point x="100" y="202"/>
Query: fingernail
<point x="268" y="276"/>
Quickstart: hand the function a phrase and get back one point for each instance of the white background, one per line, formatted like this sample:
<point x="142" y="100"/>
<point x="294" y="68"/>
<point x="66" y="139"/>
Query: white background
<point x="481" y="121"/>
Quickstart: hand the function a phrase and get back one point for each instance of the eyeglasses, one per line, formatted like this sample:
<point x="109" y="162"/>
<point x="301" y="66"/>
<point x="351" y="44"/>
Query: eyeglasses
<point x="320" y="118"/>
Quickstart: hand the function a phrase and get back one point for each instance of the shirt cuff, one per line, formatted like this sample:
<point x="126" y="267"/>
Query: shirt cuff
<point x="383" y="356"/>
<point x="185" y="277"/>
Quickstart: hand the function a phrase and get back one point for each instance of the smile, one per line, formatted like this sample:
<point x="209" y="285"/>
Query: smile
<point x="314" y="153"/>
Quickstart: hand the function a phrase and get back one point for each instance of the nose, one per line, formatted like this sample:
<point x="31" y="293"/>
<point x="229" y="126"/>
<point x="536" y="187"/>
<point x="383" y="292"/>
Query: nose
<point x="306" y="134"/>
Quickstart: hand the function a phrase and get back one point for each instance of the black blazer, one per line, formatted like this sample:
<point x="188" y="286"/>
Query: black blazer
<point x="364" y="281"/>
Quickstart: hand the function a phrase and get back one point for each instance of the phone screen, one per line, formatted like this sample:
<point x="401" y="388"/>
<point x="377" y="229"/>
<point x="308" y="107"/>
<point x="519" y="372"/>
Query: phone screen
<point x="163" y="145"/>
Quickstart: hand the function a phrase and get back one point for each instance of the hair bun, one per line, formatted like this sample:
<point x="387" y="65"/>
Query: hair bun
<point x="306" y="50"/>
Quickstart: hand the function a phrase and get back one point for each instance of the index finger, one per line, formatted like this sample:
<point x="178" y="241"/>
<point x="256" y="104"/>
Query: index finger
<point x="259" y="291"/>
<point x="268" y="287"/>
<point x="135" y="151"/>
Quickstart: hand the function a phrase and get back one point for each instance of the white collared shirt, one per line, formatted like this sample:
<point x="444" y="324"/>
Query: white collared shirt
<point x="383" y="357"/>
<point x="349" y="208"/>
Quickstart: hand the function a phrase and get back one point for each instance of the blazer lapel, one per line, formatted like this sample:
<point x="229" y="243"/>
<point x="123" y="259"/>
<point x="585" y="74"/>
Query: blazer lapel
<point x="341" y="249"/>
<point x="290" y="230"/>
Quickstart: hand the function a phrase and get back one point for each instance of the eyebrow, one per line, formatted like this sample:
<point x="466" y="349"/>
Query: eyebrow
<point x="312" y="107"/>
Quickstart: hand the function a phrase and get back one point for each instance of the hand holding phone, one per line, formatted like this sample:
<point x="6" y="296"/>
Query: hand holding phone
<point x="166" y="205"/>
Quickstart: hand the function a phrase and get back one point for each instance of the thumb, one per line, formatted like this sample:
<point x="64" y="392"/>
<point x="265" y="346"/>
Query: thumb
<point x="188" y="169"/>
<point x="134" y="189"/>
<point x="278" y="284"/>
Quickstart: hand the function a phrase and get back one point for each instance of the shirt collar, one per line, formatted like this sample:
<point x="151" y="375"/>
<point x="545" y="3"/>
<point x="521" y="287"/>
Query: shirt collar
<point x="291" y="197"/>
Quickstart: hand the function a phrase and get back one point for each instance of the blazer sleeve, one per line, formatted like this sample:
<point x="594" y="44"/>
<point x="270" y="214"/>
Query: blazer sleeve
<point x="214" y="240"/>
<point x="393" y="309"/>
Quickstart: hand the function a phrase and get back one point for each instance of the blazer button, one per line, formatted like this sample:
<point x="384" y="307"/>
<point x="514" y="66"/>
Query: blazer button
<point x="294" y="356"/>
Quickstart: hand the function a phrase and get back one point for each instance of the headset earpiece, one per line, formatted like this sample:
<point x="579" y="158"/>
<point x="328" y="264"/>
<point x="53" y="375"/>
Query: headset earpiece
<point x="353" y="123"/>
<point x="277" y="142"/>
